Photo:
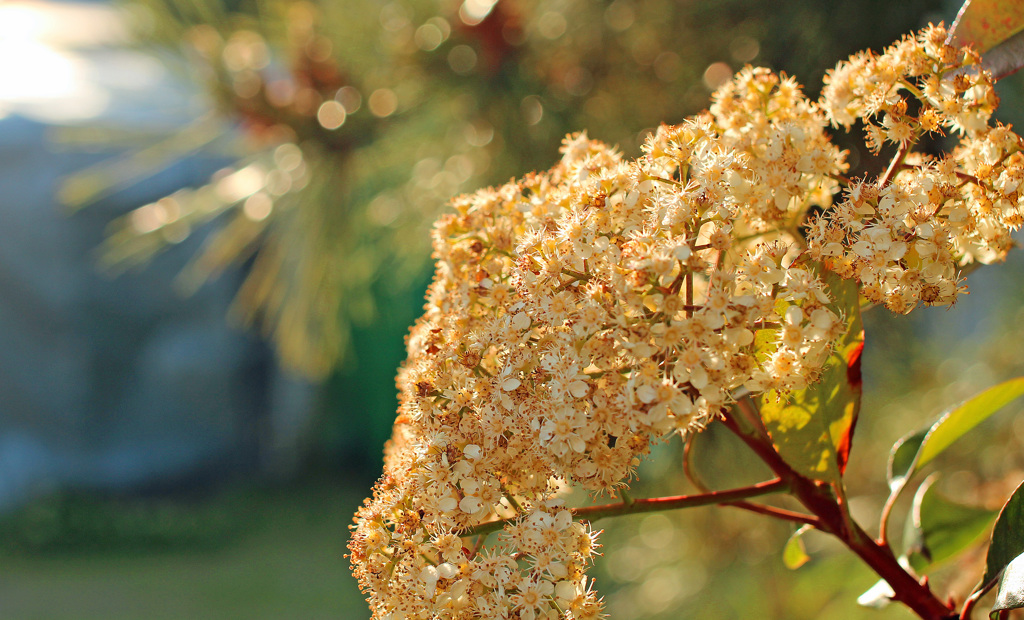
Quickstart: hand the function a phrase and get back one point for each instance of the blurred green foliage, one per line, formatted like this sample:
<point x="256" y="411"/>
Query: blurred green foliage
<point x="76" y="522"/>
<point x="257" y="553"/>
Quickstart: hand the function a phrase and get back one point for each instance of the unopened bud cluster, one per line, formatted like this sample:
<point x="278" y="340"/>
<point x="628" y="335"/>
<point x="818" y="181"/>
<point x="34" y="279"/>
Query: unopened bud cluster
<point x="580" y="314"/>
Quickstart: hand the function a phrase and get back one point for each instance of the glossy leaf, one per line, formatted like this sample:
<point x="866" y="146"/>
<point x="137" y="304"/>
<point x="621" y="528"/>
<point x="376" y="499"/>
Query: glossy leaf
<point x="996" y="29"/>
<point x="1011" y="587"/>
<point x="987" y="23"/>
<point x="957" y="422"/>
<point x="1007" y="536"/>
<point x="915" y="450"/>
<point x="939" y="529"/>
<point x="794" y="554"/>
<point x="811" y="428"/>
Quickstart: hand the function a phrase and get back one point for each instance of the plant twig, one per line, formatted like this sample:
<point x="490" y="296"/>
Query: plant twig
<point x="657" y="504"/>
<point x="972" y="600"/>
<point x="627" y="499"/>
<point x="777" y="513"/>
<point x="688" y="292"/>
<point x="771" y="511"/>
<point x="821" y="501"/>
<point x="883" y="520"/>
<point x="477" y="544"/>
<point x="511" y="499"/>
<point x="750" y="411"/>
<point x="895" y="164"/>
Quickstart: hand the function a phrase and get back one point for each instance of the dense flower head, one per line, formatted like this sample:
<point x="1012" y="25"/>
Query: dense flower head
<point x="580" y="314"/>
<point x="906" y="237"/>
<point x="874" y="88"/>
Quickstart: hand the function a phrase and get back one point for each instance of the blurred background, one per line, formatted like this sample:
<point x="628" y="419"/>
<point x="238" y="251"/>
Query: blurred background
<point x="215" y="235"/>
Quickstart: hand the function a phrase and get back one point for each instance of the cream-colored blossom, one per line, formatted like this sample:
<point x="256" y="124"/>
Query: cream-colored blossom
<point x="906" y="238"/>
<point x="580" y="314"/>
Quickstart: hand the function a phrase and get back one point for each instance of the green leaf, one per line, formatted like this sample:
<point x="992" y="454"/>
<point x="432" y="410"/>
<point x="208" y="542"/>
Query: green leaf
<point x="811" y="428"/>
<point x="917" y="449"/>
<point x="1007" y="536"/>
<point x="794" y="554"/>
<point x="1011" y="587"/>
<point x="903" y="457"/>
<point x="939" y="529"/>
<point x="957" y="422"/>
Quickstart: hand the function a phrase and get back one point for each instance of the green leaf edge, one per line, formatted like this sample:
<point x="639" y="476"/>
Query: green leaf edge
<point x="915" y="533"/>
<point x="1011" y="588"/>
<point x="1009" y="522"/>
<point x="927" y="449"/>
<point x="794" y="554"/>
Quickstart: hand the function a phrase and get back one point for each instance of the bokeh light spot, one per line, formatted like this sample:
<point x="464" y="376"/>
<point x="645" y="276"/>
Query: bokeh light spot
<point x="258" y="206"/>
<point x="667" y="66"/>
<point x="394" y="17"/>
<point x="281" y="93"/>
<point x="479" y="133"/>
<point x="532" y="109"/>
<point x="619" y="15"/>
<point x="744" y="49"/>
<point x="462" y="59"/>
<point x="383" y="102"/>
<point x="716" y="74"/>
<point x="350" y="97"/>
<point x="246" y="50"/>
<point x="331" y="115"/>
<point x="288" y="157"/>
<point x="552" y="25"/>
<point x="428" y="37"/>
<point x="472" y="12"/>
<point x="384" y="209"/>
<point x="578" y="81"/>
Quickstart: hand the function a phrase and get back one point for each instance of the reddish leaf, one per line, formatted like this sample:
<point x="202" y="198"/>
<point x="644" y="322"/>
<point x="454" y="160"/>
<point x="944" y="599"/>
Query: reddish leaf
<point x="995" y="28"/>
<point x="856" y="381"/>
<point x="811" y="427"/>
<point x="987" y="23"/>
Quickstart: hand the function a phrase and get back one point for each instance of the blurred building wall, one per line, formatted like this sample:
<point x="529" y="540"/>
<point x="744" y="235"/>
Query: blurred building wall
<point x="114" y="383"/>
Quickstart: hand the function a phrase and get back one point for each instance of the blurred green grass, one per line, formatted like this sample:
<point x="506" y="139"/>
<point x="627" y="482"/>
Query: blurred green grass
<point x="261" y="553"/>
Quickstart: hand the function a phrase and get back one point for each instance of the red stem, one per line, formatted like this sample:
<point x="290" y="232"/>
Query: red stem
<point x="631" y="506"/>
<point x="593" y="513"/>
<point x="894" y="164"/>
<point x="883" y="521"/>
<point x="820" y="500"/>
<point x="771" y="511"/>
<point x="968" y="608"/>
<point x="778" y="513"/>
<point x="972" y="600"/>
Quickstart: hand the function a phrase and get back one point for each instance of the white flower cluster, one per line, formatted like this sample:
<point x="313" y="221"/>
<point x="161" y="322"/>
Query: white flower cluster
<point x="579" y="314"/>
<point x="904" y="239"/>
<point x="575" y="317"/>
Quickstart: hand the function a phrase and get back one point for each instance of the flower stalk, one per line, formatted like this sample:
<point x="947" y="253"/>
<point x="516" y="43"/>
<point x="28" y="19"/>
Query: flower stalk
<point x="655" y="504"/>
<point x="820" y="499"/>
